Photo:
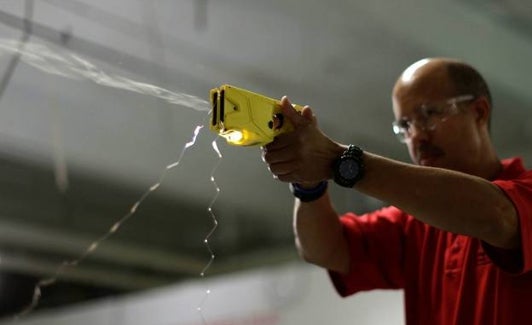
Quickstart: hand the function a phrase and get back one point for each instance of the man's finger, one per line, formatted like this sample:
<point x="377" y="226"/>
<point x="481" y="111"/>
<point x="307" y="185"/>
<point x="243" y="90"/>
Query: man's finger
<point x="307" y="114"/>
<point x="282" y="169"/>
<point x="291" y="113"/>
<point x="277" y="156"/>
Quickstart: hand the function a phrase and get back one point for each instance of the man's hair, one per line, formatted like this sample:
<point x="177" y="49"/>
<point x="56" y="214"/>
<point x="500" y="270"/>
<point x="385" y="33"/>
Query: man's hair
<point x="467" y="80"/>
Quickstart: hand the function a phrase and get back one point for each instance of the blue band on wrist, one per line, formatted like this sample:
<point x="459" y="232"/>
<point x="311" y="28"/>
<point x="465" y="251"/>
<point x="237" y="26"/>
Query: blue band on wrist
<point x="308" y="194"/>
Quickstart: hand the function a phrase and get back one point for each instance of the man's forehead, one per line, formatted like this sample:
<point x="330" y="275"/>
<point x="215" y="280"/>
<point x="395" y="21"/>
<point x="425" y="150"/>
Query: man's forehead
<point x="423" y="80"/>
<point x="409" y="97"/>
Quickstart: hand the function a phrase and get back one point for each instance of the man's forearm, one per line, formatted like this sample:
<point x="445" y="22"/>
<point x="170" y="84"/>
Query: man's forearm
<point x="319" y="234"/>
<point x="445" y="199"/>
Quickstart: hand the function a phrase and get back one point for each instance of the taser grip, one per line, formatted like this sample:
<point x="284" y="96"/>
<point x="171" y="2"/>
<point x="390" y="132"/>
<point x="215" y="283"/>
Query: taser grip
<point x="245" y="118"/>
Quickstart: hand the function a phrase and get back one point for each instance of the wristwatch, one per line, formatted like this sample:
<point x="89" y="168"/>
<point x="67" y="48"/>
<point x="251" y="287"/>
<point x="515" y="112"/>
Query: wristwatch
<point x="349" y="168"/>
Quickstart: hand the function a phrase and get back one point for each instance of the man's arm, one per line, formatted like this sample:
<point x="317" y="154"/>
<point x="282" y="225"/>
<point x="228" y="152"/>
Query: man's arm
<point x="319" y="235"/>
<point x="445" y="199"/>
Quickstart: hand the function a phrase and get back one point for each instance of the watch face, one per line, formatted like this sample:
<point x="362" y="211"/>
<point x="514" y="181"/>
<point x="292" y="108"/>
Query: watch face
<point x="349" y="169"/>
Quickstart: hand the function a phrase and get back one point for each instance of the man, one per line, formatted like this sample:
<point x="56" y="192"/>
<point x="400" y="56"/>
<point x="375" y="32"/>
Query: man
<point x="457" y="236"/>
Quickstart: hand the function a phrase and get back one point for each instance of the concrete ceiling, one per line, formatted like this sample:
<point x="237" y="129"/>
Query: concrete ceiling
<point x="89" y="122"/>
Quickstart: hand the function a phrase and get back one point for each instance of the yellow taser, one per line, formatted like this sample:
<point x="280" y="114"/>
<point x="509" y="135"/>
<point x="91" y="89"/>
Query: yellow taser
<point x="245" y="118"/>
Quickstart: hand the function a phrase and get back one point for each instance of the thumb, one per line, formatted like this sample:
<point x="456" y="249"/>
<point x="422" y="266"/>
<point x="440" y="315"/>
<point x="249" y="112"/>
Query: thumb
<point x="296" y="118"/>
<point x="307" y="114"/>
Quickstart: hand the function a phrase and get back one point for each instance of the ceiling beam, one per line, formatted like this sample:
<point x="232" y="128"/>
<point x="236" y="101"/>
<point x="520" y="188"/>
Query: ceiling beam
<point x="89" y="274"/>
<point x="111" y="251"/>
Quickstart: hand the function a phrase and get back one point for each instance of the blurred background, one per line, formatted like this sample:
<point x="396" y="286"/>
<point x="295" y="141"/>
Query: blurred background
<point x="100" y="101"/>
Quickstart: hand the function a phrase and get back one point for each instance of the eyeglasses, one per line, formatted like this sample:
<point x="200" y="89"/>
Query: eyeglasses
<point x="428" y="116"/>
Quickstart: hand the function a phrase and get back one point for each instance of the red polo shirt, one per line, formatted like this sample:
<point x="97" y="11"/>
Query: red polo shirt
<point x="447" y="278"/>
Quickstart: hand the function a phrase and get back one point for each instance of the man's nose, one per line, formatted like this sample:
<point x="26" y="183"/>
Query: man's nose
<point x="418" y="131"/>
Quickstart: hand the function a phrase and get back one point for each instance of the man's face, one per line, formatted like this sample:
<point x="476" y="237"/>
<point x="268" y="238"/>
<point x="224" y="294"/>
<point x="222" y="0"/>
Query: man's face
<point x="442" y="132"/>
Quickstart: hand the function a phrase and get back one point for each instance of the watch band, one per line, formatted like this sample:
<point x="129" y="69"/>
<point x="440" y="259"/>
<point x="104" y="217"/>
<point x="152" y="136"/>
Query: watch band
<point x="308" y="194"/>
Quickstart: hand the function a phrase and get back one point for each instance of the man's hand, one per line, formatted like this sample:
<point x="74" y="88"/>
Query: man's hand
<point x="304" y="156"/>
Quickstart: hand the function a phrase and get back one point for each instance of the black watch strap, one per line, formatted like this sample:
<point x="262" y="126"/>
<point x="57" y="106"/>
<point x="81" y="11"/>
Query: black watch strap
<point x="308" y="194"/>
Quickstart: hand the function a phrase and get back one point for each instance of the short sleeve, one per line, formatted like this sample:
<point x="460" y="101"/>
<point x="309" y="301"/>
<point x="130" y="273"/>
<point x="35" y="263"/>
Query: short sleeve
<point x="376" y="243"/>
<point x="519" y="191"/>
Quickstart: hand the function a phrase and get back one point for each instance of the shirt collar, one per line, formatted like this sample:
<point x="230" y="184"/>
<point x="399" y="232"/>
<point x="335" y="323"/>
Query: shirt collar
<point x="511" y="168"/>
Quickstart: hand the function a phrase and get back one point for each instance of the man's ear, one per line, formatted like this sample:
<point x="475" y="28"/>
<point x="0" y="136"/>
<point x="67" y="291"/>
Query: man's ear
<point x="482" y="110"/>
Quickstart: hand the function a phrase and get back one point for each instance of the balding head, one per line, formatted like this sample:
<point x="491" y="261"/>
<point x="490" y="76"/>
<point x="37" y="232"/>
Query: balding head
<point x="427" y="76"/>
<point x="448" y="77"/>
